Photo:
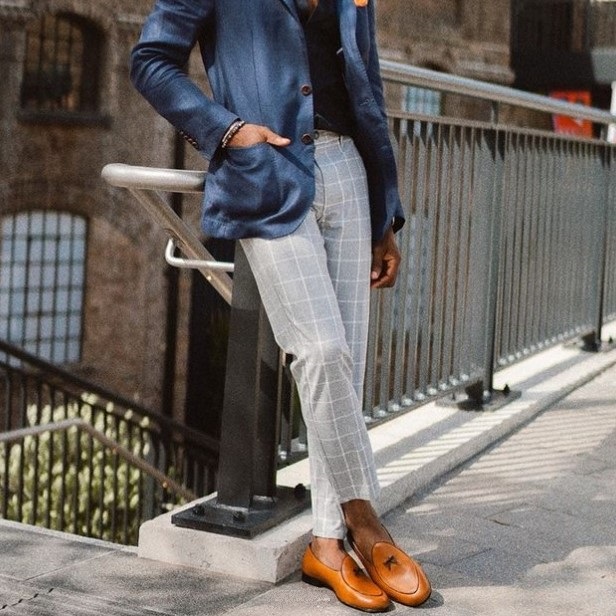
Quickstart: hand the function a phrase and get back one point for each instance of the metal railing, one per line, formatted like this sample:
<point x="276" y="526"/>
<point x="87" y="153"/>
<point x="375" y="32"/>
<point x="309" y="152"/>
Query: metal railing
<point x="75" y="457"/>
<point x="107" y="500"/>
<point x="398" y="76"/>
<point x="508" y="248"/>
<point x="508" y="243"/>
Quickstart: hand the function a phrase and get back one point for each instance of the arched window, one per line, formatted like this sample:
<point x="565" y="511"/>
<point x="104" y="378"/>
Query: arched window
<point x="61" y="66"/>
<point x="42" y="276"/>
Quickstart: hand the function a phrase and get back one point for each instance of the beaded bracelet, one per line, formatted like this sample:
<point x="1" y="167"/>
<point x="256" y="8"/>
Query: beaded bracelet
<point x="231" y="132"/>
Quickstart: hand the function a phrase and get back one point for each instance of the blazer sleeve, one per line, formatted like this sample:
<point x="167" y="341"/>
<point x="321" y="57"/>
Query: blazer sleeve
<point x="158" y="72"/>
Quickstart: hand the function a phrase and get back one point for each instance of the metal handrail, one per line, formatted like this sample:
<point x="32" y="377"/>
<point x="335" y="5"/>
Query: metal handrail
<point x="151" y="178"/>
<point x="146" y="185"/>
<point x="454" y="84"/>
<point x="174" y="261"/>
<point x="59" y="426"/>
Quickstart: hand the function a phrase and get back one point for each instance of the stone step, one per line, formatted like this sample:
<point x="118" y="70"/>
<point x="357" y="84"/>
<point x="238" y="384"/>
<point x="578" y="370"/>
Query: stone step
<point x="18" y="598"/>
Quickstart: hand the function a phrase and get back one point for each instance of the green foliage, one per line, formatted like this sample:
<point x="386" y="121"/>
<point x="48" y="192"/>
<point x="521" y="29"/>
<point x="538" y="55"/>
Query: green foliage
<point x="69" y="481"/>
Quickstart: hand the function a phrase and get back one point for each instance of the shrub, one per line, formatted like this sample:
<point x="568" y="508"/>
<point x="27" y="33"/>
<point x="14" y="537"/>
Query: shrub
<point x="70" y="481"/>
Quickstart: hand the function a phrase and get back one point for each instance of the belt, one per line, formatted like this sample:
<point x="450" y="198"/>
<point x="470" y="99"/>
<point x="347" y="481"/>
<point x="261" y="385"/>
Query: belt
<point x="320" y="123"/>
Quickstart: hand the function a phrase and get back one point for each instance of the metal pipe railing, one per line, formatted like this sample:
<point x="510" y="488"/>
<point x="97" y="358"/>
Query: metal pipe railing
<point x="453" y="84"/>
<point x="146" y="185"/>
<point x="493" y="270"/>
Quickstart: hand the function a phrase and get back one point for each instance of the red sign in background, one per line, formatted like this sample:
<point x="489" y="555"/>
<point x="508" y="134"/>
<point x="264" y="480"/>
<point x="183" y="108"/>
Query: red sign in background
<point x="566" y="124"/>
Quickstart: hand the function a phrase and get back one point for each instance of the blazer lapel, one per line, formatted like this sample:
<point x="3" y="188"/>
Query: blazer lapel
<point x="347" y="13"/>
<point x="292" y="8"/>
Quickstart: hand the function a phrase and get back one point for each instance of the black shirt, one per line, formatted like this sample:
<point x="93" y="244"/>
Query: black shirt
<point x="332" y="107"/>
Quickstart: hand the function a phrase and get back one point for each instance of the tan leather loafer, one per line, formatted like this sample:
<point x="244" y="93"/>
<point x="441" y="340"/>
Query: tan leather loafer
<point x="396" y="573"/>
<point x="350" y="584"/>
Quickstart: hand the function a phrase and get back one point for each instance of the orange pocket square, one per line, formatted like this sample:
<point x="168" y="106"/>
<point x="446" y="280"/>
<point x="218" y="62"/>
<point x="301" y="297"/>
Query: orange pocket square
<point x="361" y="3"/>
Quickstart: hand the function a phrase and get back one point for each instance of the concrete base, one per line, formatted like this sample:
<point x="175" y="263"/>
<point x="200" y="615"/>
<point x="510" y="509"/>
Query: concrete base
<point x="412" y="451"/>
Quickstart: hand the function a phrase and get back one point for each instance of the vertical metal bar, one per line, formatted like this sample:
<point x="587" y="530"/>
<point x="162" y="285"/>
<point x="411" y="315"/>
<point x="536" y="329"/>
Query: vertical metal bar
<point x="403" y="290"/>
<point x="517" y="206"/>
<point x="267" y="431"/>
<point x="442" y="242"/>
<point x="113" y="513"/>
<point x="23" y="396"/>
<point x="462" y="339"/>
<point x="564" y="289"/>
<point x="603" y="194"/>
<point x="504" y="296"/>
<point x="103" y="480"/>
<point x="370" y="385"/>
<point x="495" y="149"/>
<point x="609" y="309"/>
<point x="38" y="401"/>
<point x="485" y="245"/>
<point x="90" y="485"/>
<point x="454" y="241"/>
<point x="50" y="465"/>
<point x="548" y="307"/>
<point x="76" y="484"/>
<point x="248" y="402"/>
<point x="416" y="247"/>
<point x="430" y="209"/>
<point x="61" y="516"/>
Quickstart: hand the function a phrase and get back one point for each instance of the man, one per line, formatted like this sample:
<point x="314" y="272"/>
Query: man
<point x="302" y="172"/>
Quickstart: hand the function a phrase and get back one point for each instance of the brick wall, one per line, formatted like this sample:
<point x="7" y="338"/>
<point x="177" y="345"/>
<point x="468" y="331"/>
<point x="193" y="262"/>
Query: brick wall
<point x="57" y="166"/>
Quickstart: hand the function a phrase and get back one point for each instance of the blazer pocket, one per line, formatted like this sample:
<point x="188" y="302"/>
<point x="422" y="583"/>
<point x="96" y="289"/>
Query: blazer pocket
<point x="242" y="183"/>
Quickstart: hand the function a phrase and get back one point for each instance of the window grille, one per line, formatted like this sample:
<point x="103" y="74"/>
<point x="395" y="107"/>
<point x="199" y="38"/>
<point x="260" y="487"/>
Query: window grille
<point x="61" y="63"/>
<point x="42" y="271"/>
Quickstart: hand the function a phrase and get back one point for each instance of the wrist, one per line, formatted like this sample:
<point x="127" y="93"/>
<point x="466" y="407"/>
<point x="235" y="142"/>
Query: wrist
<point x="231" y="132"/>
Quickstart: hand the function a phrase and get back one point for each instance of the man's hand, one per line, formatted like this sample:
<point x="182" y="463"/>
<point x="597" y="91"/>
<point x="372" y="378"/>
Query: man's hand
<point x="385" y="261"/>
<point x="251" y="134"/>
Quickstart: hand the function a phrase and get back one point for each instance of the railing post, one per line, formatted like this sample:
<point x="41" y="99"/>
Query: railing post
<point x="248" y="432"/>
<point x="592" y="341"/>
<point x="248" y="501"/>
<point x="497" y="148"/>
<point x="490" y="200"/>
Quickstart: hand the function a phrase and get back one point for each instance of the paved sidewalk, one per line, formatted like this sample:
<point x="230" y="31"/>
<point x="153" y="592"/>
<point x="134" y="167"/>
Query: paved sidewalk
<point x="527" y="527"/>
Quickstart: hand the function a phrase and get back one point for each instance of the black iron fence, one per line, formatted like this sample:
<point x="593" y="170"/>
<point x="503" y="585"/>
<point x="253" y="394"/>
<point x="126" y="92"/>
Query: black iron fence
<point x="76" y="458"/>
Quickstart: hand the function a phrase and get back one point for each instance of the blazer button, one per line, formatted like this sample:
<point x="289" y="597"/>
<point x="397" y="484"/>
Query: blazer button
<point x="306" y="89"/>
<point x="307" y="138"/>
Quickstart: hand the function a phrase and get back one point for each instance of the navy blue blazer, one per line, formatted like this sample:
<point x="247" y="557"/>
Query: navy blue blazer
<point x="254" y="53"/>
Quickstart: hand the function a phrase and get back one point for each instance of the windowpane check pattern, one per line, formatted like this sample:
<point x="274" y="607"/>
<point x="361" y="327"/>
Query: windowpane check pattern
<point x="42" y="270"/>
<point x="61" y="64"/>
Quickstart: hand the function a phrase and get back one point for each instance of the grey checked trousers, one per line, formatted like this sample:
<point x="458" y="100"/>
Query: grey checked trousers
<point x="315" y="287"/>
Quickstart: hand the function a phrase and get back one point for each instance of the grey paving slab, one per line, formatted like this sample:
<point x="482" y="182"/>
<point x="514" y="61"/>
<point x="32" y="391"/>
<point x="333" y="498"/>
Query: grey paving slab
<point x="59" y="602"/>
<point x="139" y="582"/>
<point x="590" y="498"/>
<point x="525" y="528"/>
<point x="27" y="555"/>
